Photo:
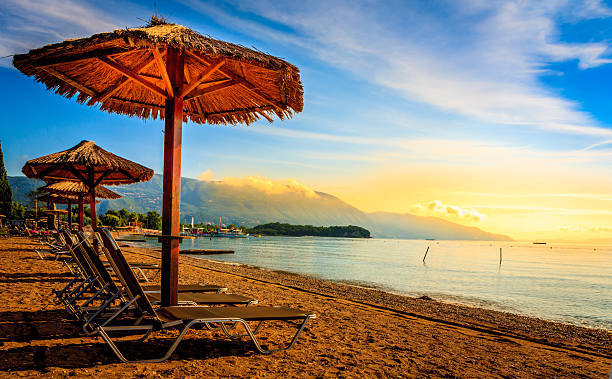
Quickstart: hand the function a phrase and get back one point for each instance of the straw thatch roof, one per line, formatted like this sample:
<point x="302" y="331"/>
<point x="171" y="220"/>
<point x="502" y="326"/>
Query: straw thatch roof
<point x="86" y="162"/>
<point x="124" y="72"/>
<point x="78" y="188"/>
<point x="60" y="199"/>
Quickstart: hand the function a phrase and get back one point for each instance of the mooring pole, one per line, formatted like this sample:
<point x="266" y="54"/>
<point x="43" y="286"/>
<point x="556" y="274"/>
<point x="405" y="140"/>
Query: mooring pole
<point x="426" y="251"/>
<point x="500" y="256"/>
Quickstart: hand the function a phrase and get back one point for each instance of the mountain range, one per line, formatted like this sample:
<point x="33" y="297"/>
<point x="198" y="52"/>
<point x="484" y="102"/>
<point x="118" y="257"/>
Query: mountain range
<point x="243" y="204"/>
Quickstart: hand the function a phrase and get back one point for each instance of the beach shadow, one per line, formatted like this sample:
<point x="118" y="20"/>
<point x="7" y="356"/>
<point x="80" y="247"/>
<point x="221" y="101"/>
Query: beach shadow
<point x="83" y="355"/>
<point x="39" y="325"/>
<point x="33" y="277"/>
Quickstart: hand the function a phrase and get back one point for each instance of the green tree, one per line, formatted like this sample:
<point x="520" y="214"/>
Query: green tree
<point x="154" y="220"/>
<point x="110" y="220"/>
<point x="124" y="215"/>
<point x="6" y="194"/>
<point x="18" y="211"/>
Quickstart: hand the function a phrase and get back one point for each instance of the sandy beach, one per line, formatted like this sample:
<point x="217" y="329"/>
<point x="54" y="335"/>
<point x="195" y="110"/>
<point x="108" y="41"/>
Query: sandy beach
<point x="358" y="332"/>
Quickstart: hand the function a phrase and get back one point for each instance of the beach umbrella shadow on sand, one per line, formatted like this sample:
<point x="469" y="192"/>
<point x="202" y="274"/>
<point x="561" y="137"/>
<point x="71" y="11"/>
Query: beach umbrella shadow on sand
<point x="89" y="164"/>
<point x="76" y="192"/>
<point x="170" y="72"/>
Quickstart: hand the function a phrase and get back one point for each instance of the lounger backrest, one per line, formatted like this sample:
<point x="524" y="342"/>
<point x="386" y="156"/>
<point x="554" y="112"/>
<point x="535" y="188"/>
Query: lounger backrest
<point x="78" y="258"/>
<point x="96" y="263"/>
<point x="124" y="271"/>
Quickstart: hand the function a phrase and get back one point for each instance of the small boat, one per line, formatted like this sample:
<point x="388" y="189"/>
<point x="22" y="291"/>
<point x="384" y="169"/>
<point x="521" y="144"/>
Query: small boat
<point x="539" y="243"/>
<point x="229" y="233"/>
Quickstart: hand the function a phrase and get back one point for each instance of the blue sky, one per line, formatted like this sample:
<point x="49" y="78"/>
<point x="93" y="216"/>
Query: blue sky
<point x="491" y="113"/>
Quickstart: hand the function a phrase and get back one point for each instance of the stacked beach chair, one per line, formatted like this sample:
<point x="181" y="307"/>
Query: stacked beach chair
<point x="107" y="297"/>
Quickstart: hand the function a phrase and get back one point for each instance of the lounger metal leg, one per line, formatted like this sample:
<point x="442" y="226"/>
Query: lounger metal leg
<point x="90" y="331"/>
<point x="268" y="351"/>
<point x="141" y="273"/>
<point x="167" y="355"/>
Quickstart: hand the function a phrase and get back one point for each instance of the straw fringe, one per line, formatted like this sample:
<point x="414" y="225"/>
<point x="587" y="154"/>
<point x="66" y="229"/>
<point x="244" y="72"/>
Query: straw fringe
<point x="277" y="81"/>
<point x="78" y="188"/>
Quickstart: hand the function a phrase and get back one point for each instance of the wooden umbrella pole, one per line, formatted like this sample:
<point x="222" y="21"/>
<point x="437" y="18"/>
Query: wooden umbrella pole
<point x="175" y="60"/>
<point x="92" y="199"/>
<point x="69" y="215"/>
<point x="81" y="213"/>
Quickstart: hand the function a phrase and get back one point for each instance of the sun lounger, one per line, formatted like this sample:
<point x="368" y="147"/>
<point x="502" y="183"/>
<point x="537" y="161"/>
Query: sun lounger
<point x="182" y="287"/>
<point x="100" y="270"/>
<point x="185" y="318"/>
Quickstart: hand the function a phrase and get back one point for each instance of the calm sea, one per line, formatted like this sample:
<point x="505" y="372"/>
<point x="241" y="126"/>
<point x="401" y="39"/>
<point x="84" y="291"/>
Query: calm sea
<point x="562" y="282"/>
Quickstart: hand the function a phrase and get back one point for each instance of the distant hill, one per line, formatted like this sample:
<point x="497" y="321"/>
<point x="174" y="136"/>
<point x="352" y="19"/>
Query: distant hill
<point x="206" y="201"/>
<point x="395" y="225"/>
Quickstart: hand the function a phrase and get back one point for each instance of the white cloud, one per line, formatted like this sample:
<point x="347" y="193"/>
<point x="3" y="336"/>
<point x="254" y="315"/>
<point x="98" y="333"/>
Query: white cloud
<point x="439" y="209"/>
<point x="270" y="186"/>
<point x="478" y="59"/>
<point x="206" y="176"/>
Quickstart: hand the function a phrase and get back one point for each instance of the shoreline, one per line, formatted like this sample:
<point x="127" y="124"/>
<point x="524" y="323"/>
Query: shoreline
<point x="358" y="332"/>
<point x="493" y="321"/>
<point x="446" y="298"/>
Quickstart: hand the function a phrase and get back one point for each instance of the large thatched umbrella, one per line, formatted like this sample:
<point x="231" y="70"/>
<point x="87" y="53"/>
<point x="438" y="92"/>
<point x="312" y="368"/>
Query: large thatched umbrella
<point x="171" y="72"/>
<point x="89" y="164"/>
<point x="81" y="192"/>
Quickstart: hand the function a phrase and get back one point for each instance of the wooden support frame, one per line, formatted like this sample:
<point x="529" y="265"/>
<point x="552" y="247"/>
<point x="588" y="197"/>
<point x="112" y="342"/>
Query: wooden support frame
<point x="46" y="62"/>
<point x="214" y="66"/>
<point x="132" y="75"/>
<point x="162" y="70"/>
<point x="211" y="89"/>
<point x="113" y="88"/>
<point x="70" y="81"/>
<point x="242" y="81"/>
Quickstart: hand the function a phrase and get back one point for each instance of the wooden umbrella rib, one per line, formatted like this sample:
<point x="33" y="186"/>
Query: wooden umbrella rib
<point x="214" y="66"/>
<point x="162" y="69"/>
<point x="246" y="84"/>
<point x="200" y="115"/>
<point x="70" y="81"/>
<point x="128" y="174"/>
<point x="132" y="75"/>
<point x="136" y="102"/>
<point x="108" y="92"/>
<point x="76" y="173"/>
<point x="43" y="173"/>
<point x="76" y="57"/>
<point x="102" y="177"/>
<point x="149" y="105"/>
<point x="211" y="89"/>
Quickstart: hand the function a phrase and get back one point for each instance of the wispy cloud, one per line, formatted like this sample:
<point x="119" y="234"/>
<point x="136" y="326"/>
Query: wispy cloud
<point x="473" y="58"/>
<point x="29" y="24"/>
<point x="456" y="150"/>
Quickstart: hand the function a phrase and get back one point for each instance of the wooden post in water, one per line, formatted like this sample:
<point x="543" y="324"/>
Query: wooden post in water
<point x="426" y="251"/>
<point x="500" y="256"/>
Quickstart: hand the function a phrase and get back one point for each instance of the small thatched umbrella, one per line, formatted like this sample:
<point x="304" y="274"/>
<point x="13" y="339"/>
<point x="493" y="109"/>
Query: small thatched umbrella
<point x="171" y="72"/>
<point x="79" y="190"/>
<point x="89" y="164"/>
